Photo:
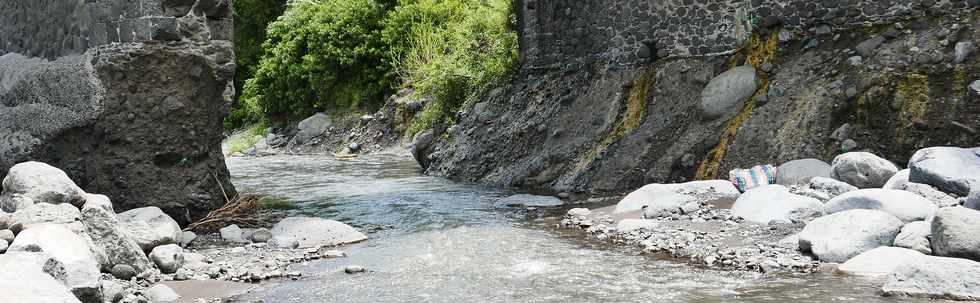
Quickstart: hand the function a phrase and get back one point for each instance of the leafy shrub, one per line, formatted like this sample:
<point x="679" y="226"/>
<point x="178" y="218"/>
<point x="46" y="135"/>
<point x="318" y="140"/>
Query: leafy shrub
<point x="251" y="19"/>
<point x="320" y="55"/>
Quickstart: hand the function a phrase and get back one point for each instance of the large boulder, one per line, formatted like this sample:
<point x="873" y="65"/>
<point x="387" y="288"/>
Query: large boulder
<point x="863" y="169"/>
<point x="44" y="213"/>
<point x="312" y="232"/>
<point x="312" y="127"/>
<point x="898" y="181"/>
<point x="31" y="277"/>
<point x="956" y="233"/>
<point x="915" y="236"/>
<point x="669" y="197"/>
<point x="168" y="258"/>
<point x="841" y="236"/>
<point x="905" y="205"/>
<point x="62" y="244"/>
<point x="111" y="236"/>
<point x="774" y="202"/>
<point x="879" y="261"/>
<point x="935" y="278"/>
<point x="951" y="169"/>
<point x="142" y="138"/>
<point x="150" y="227"/>
<point x="801" y="171"/>
<point x="40" y="183"/>
<point x="725" y="93"/>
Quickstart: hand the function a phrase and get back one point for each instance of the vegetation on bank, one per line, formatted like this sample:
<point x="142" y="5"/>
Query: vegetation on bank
<point x="336" y="55"/>
<point x="245" y="138"/>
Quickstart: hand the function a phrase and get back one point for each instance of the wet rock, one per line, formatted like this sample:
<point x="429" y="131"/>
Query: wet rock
<point x="936" y="278"/>
<point x="915" y="236"/>
<point x="44" y="213"/>
<point x="863" y="169"/>
<point x="71" y="250"/>
<point x="962" y="51"/>
<point x="904" y="205"/>
<point x="150" y="227"/>
<point x="954" y="233"/>
<point x="801" y="171"/>
<point x="123" y="271"/>
<point x="31" y="277"/>
<point x="38" y="183"/>
<point x="830" y="186"/>
<point x="354" y="269"/>
<point x="112" y="237"/>
<point x="951" y="169"/>
<point x="879" y="261"/>
<point x="774" y="202"/>
<point x="232" y="233"/>
<point x="840" y="236"/>
<point x="186" y="238"/>
<point x="161" y="294"/>
<point x="670" y="197"/>
<point x="312" y="127"/>
<point x="311" y="232"/>
<point x="524" y="200"/>
<point x="726" y="93"/>
<point x="867" y="47"/>
<point x="260" y="235"/>
<point x="168" y="258"/>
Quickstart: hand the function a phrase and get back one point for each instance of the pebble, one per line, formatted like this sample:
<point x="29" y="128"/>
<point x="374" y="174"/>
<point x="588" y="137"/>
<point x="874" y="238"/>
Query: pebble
<point x="123" y="271"/>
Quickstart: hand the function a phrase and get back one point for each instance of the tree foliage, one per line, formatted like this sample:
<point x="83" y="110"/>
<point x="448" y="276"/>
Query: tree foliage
<point x="251" y="19"/>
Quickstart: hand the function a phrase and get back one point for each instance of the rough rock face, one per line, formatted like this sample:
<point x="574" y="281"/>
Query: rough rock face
<point x="955" y="233"/>
<point x="71" y="250"/>
<point x="139" y="119"/>
<point x="936" y="277"/>
<point x="608" y="99"/>
<point x="774" y="202"/>
<point x="951" y="169"/>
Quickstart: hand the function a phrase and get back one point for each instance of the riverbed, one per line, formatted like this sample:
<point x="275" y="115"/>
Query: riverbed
<point x="434" y="240"/>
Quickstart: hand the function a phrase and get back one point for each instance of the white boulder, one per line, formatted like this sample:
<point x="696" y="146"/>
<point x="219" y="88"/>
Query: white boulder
<point x="879" y="261"/>
<point x="44" y="213"/>
<point x="671" y="197"/>
<point x="905" y="205"/>
<point x="150" y="227"/>
<point x="24" y="278"/>
<point x="863" y="169"/>
<point x="168" y="258"/>
<point x="41" y="183"/>
<point x="951" y="169"/>
<point x="160" y="293"/>
<point x="232" y="233"/>
<point x="915" y="236"/>
<point x="956" y="233"/>
<point x="840" y="236"/>
<point x="311" y="232"/>
<point x="898" y="181"/>
<point x="112" y="237"/>
<point x="56" y="240"/>
<point x="771" y="202"/>
<point x="935" y="278"/>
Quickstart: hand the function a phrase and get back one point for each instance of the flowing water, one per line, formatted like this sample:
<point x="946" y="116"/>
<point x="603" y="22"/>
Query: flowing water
<point x="433" y="240"/>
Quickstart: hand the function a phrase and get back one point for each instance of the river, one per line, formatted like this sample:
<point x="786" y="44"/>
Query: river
<point x="434" y="240"/>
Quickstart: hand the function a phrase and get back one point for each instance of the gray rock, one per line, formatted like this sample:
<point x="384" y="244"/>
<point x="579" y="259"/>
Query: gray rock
<point x="937" y="197"/>
<point x="955" y="233"/>
<point x="56" y="240"/>
<point x="150" y="227"/>
<point x="98" y="201"/>
<point x="840" y="236"/>
<point x="353" y="147"/>
<point x="3" y="246"/>
<point x="975" y="87"/>
<point x="830" y="186"/>
<point x="186" y="238"/>
<point x="904" y="205"/>
<point x="898" y="180"/>
<point x="284" y="242"/>
<point x="354" y="269"/>
<point x="32" y="277"/>
<point x="915" y="236"/>
<point x="725" y="94"/>
<point x="879" y="261"/>
<point x="935" y="278"/>
<point x="232" y="233"/>
<point x="112" y="291"/>
<point x="112" y="237"/>
<point x="951" y="169"/>
<point x="867" y="47"/>
<point x="774" y="202"/>
<point x="311" y="232"/>
<point x="849" y="145"/>
<point x="670" y="197"/>
<point x="962" y="51"/>
<point x="863" y="169"/>
<point x="420" y="147"/>
<point x="123" y="272"/>
<point x="44" y="213"/>
<point x="972" y="201"/>
<point x="801" y="171"/>
<point x="525" y="200"/>
<point x="260" y="235"/>
<point x="312" y="127"/>
<point x="161" y="294"/>
<point x="168" y="258"/>
<point x="40" y="183"/>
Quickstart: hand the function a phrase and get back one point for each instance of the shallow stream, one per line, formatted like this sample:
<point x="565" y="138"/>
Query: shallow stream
<point x="433" y="240"/>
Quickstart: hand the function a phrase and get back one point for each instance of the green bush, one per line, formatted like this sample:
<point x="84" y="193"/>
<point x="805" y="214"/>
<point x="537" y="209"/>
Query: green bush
<point x="251" y="19"/>
<point x="320" y="55"/>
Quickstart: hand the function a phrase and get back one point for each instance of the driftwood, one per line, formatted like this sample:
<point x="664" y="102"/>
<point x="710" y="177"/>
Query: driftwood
<point x="244" y="210"/>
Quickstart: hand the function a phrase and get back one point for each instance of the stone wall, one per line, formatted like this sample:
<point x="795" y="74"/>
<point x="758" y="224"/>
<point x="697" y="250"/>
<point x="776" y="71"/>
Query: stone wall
<point x="573" y="33"/>
<point x="126" y="96"/>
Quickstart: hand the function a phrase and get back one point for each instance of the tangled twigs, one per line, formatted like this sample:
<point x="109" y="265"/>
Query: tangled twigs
<point x="243" y="210"/>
